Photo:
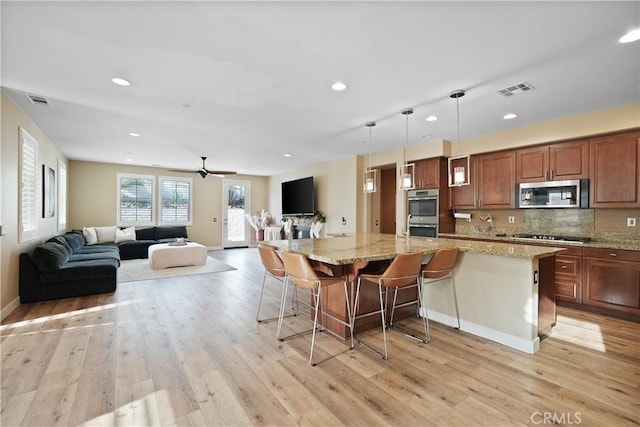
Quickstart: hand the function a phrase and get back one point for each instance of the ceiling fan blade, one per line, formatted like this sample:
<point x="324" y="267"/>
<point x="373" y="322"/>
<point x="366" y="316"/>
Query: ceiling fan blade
<point x="222" y="172"/>
<point x="182" y="170"/>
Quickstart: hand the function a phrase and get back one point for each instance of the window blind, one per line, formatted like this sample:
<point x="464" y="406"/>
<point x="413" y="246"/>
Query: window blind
<point x="175" y="200"/>
<point x="135" y="199"/>
<point x="28" y="186"/>
<point x="62" y="195"/>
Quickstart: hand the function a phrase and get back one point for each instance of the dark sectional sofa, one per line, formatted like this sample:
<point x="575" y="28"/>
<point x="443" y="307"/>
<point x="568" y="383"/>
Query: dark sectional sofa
<point x="65" y="266"/>
<point x="146" y="237"/>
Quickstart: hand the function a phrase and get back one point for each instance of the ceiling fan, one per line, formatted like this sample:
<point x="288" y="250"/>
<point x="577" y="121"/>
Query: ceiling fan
<point x="203" y="171"/>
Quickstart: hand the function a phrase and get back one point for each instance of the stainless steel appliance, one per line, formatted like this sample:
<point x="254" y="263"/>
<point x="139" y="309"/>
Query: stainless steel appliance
<point x="551" y="238"/>
<point x="553" y="194"/>
<point x="423" y="208"/>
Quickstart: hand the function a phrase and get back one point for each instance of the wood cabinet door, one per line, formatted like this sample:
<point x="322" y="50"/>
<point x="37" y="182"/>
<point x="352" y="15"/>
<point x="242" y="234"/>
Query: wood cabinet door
<point x="431" y="173"/>
<point x="497" y="180"/>
<point x="427" y="173"/>
<point x="615" y="171"/>
<point x="532" y="164"/>
<point x="466" y="196"/>
<point x="569" y="160"/>
<point x="612" y="284"/>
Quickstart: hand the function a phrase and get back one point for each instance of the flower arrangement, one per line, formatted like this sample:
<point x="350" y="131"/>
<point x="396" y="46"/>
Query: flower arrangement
<point x="259" y="221"/>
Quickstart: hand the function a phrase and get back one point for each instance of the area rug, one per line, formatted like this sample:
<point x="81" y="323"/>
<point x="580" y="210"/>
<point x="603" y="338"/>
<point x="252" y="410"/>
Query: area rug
<point x="132" y="270"/>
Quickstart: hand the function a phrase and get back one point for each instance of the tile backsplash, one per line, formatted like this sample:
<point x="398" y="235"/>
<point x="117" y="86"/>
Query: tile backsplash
<point x="598" y="224"/>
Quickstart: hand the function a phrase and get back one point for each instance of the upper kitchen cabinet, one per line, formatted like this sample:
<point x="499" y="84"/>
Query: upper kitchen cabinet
<point x="465" y="196"/>
<point x="497" y="180"/>
<point x="556" y="162"/>
<point x="615" y="171"/>
<point x="430" y="173"/>
<point x="493" y="179"/>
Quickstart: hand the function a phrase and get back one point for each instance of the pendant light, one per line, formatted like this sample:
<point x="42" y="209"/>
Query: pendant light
<point x="370" y="174"/>
<point x="458" y="167"/>
<point x="407" y="178"/>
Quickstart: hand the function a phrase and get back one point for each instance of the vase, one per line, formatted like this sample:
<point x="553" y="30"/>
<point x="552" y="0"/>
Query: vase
<point x="259" y="235"/>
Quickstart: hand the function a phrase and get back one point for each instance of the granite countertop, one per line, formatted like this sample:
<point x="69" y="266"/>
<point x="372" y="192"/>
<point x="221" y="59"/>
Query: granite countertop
<point x="621" y="245"/>
<point x="374" y="247"/>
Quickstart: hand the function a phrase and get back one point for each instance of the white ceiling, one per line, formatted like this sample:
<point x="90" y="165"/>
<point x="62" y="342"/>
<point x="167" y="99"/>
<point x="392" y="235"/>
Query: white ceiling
<point x="245" y="82"/>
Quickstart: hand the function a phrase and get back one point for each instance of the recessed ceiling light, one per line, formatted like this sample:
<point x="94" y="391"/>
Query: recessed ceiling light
<point x="631" y="36"/>
<point x="431" y="118"/>
<point x="338" y="86"/>
<point x="287" y="155"/>
<point x="134" y="134"/>
<point x="120" y="81"/>
<point x="510" y="116"/>
<point x="129" y="160"/>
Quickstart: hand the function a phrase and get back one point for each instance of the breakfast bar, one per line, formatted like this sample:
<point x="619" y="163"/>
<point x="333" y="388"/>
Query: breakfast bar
<point x="505" y="291"/>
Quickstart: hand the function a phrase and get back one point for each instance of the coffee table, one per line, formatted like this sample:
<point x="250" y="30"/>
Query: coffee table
<point x="164" y="255"/>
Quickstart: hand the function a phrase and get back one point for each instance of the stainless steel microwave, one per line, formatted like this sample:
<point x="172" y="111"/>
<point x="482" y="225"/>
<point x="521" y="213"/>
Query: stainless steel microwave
<point x="553" y="194"/>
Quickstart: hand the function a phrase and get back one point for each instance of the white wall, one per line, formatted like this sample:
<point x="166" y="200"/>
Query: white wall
<point x="13" y="118"/>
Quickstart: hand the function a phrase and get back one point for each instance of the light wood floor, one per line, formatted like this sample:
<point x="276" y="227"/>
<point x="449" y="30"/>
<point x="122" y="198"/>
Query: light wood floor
<point x="187" y="351"/>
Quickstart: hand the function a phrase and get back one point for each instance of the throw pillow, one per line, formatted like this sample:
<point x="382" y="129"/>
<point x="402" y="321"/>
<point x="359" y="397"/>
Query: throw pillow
<point x="106" y="234"/>
<point x="125" y="235"/>
<point x="90" y="235"/>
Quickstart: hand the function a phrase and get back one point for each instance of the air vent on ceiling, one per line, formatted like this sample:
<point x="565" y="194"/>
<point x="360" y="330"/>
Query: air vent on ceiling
<point x="39" y="100"/>
<point x="516" y="89"/>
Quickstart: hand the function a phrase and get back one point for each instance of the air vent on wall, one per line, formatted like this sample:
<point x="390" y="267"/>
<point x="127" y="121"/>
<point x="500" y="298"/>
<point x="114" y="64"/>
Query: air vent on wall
<point x="516" y="89"/>
<point x="39" y="100"/>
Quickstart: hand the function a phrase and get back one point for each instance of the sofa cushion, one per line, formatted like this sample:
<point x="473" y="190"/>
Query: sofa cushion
<point x="82" y="270"/>
<point x="50" y="256"/>
<point x="171" y="232"/>
<point x="75" y="240"/>
<point x="146" y="234"/>
<point x="90" y="235"/>
<point x="87" y="256"/>
<point x="106" y="234"/>
<point x="63" y="242"/>
<point x="125" y="235"/>
<point x="96" y="249"/>
<point x="135" y="250"/>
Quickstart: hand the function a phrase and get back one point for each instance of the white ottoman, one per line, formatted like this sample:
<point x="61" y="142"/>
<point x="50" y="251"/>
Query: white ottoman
<point x="164" y="255"/>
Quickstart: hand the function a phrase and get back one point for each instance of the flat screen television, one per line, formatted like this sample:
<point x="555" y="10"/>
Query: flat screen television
<point x="298" y="197"/>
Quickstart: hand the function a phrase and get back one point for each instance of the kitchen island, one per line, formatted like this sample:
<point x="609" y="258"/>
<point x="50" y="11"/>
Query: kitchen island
<point x="505" y="291"/>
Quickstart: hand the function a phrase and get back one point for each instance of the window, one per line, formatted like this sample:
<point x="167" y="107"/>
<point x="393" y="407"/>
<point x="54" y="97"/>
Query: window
<point x="135" y="199"/>
<point x="28" y="187"/>
<point x="175" y="200"/>
<point x="62" y="195"/>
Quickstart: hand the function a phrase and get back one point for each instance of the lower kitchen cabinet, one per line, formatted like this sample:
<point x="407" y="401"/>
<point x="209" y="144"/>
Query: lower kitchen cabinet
<point x="612" y="279"/>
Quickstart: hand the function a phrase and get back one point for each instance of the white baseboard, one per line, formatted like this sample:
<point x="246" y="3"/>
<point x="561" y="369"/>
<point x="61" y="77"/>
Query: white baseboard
<point x="527" y="346"/>
<point x="9" y="308"/>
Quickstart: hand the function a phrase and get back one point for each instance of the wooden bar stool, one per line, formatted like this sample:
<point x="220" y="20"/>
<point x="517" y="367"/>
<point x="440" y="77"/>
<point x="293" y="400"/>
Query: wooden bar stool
<point x="273" y="267"/>
<point x="402" y="273"/>
<point x="439" y="268"/>
<point x="300" y="273"/>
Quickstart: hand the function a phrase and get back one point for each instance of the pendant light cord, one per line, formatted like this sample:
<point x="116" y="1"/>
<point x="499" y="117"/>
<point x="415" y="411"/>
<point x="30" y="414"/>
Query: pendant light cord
<point x="458" y="115"/>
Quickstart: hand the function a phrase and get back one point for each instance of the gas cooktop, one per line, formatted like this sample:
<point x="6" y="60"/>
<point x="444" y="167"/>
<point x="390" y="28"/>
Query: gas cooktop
<point x="547" y="237"/>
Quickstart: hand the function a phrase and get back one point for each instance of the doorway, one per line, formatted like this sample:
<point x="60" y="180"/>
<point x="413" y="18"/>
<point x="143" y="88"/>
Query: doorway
<point x="388" y="200"/>
<point x="236" y="202"/>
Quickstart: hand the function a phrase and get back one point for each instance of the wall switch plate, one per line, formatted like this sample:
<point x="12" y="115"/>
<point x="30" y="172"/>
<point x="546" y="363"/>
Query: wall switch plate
<point x="631" y="222"/>
<point x="512" y="220"/>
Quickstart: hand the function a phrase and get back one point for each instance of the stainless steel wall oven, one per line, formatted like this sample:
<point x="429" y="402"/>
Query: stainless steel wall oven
<point x="423" y="208"/>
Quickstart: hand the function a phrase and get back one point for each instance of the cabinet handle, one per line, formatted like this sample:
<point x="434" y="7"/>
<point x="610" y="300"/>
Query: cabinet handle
<point x="551" y="174"/>
<point x="563" y="267"/>
<point x="613" y="254"/>
<point x="546" y="174"/>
